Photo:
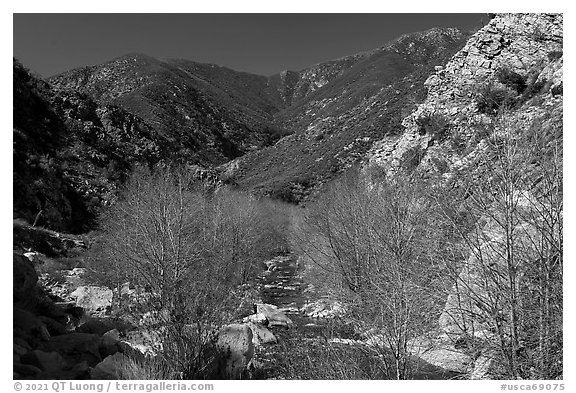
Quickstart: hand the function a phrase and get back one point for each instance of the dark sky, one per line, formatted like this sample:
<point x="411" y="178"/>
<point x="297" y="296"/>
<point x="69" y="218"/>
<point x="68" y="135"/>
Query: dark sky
<point x="259" y="43"/>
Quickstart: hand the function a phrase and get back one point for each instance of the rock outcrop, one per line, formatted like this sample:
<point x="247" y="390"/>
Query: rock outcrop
<point x="93" y="299"/>
<point x="506" y="81"/>
<point x="443" y="134"/>
<point x="58" y="339"/>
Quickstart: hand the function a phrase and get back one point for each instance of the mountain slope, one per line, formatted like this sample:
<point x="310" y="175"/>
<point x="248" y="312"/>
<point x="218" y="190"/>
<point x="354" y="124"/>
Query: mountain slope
<point x="348" y="104"/>
<point x="286" y="134"/>
<point x="70" y="154"/>
<point x="208" y="114"/>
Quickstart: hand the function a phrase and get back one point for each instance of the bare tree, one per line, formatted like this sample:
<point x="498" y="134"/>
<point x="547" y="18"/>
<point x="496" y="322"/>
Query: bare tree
<point x="376" y="240"/>
<point x="190" y="249"/>
<point x="509" y="290"/>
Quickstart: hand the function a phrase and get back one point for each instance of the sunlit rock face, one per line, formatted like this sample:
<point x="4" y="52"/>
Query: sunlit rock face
<point x="445" y="132"/>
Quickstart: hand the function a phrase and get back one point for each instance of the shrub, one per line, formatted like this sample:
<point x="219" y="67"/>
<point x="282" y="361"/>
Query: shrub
<point x="371" y="243"/>
<point x="190" y="248"/>
<point x="458" y="142"/>
<point x="557" y="90"/>
<point x="555" y="55"/>
<point x="435" y="125"/>
<point x="490" y="100"/>
<point x="412" y="158"/>
<point x="511" y="79"/>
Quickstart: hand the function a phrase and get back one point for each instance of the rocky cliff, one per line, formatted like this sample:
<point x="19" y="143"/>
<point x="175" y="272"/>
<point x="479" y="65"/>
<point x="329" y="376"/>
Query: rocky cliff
<point x="491" y="127"/>
<point x="504" y="66"/>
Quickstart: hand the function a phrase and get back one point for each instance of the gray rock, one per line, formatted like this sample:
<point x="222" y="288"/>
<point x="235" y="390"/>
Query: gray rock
<point x="274" y="316"/>
<point x="76" y="347"/>
<point x="26" y="370"/>
<point x="54" y="327"/>
<point x="95" y="300"/>
<point x="324" y="308"/>
<point x="95" y="326"/>
<point x="261" y="335"/>
<point x="256" y="318"/>
<point x="35" y="257"/>
<point x="51" y="362"/>
<point x="147" y="342"/>
<point x="29" y="327"/>
<point x="109" y="367"/>
<point x="447" y="358"/>
<point x="24" y="279"/>
<point x="110" y="343"/>
<point x="236" y="348"/>
<point x="18" y="349"/>
<point x="113" y="334"/>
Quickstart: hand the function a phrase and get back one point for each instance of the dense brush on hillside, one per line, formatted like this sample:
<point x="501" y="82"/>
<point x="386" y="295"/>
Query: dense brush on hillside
<point x="71" y="154"/>
<point x="355" y="101"/>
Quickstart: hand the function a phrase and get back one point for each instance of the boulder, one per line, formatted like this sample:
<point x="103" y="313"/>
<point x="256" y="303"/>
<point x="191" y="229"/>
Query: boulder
<point x="76" y="347"/>
<point x="441" y="352"/>
<point x="147" y="342"/>
<point x="19" y="350"/>
<point x="448" y="358"/>
<point x="95" y="326"/>
<point x="20" y="342"/>
<point x="95" y="300"/>
<point x="113" y="334"/>
<point x="29" y="327"/>
<point x="26" y="370"/>
<point x="274" y="316"/>
<point x="24" y="282"/>
<point x="261" y="335"/>
<point x="256" y="318"/>
<point x="35" y="257"/>
<point x="109" y="367"/>
<point x="110" y="343"/>
<point x="50" y="362"/>
<point x="235" y="347"/>
<point x="324" y="308"/>
<point x="54" y="327"/>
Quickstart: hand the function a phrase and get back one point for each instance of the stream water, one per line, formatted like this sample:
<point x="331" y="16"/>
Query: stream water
<point x="282" y="284"/>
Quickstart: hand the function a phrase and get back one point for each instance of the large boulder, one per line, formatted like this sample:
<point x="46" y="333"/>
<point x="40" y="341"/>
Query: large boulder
<point x="274" y="316"/>
<point x="24" y="282"/>
<point x="95" y="300"/>
<point x="102" y="325"/>
<point x="50" y="362"/>
<point x="109" y="368"/>
<point x="256" y="318"/>
<point x="35" y="257"/>
<point x="76" y="347"/>
<point x="261" y="335"/>
<point x="324" y="308"/>
<point x="26" y="370"/>
<point x="146" y="342"/>
<point x="54" y="327"/>
<point x="235" y="347"/>
<point x="28" y="327"/>
<point x="448" y="358"/>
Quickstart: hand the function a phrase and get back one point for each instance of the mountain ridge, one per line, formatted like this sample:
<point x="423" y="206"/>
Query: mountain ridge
<point x="272" y="135"/>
